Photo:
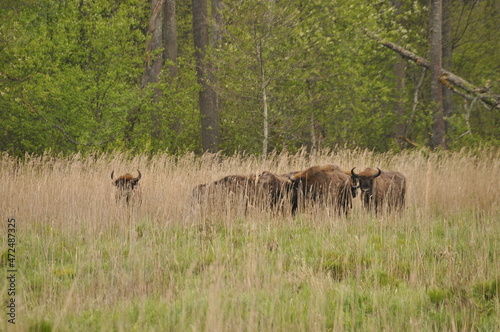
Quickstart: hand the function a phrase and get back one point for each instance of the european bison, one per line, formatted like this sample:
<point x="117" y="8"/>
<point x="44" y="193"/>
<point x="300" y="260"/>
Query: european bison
<point x="127" y="188"/>
<point x="235" y="184"/>
<point x="230" y="189"/>
<point x="326" y="184"/>
<point x="381" y="189"/>
<point x="275" y="189"/>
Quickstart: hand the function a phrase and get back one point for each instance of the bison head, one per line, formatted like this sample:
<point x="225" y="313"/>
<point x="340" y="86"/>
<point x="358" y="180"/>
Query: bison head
<point x="126" y="186"/>
<point x="126" y="181"/>
<point x="366" y="179"/>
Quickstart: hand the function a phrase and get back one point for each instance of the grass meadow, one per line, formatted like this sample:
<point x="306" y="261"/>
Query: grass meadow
<point x="85" y="263"/>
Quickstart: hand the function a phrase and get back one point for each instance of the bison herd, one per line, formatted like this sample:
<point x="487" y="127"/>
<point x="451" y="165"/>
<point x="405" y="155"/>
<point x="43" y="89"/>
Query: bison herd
<point x="327" y="186"/>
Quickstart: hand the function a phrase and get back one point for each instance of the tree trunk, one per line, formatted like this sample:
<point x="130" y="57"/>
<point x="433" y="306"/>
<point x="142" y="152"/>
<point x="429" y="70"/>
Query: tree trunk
<point x="438" y="129"/>
<point x="215" y="43"/>
<point x="263" y="93"/>
<point x="154" y="64"/>
<point x="399" y="70"/>
<point x="170" y="55"/>
<point x="265" y="143"/>
<point x="217" y="22"/>
<point x="207" y="101"/>
<point x="446" y="60"/>
<point x="170" y="38"/>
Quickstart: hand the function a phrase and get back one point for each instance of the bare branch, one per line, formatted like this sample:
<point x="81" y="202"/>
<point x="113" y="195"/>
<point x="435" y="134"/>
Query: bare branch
<point x="452" y="81"/>
<point x="409" y="141"/>
<point x="415" y="97"/>
<point x="468" y="110"/>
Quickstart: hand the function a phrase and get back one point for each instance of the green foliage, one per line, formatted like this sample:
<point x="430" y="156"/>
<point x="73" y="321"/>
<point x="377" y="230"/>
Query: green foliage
<point x="172" y="123"/>
<point x="42" y="326"/>
<point x="486" y="291"/>
<point x="70" y="74"/>
<point x="438" y="296"/>
<point x="75" y="67"/>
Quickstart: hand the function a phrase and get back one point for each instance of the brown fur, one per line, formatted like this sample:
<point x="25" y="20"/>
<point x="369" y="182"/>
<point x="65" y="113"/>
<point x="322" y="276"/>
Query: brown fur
<point x="289" y="175"/>
<point x="124" y="180"/>
<point x="234" y="186"/>
<point x="353" y="182"/>
<point x="382" y="189"/>
<point x="127" y="188"/>
<point x="232" y="183"/>
<point x="323" y="184"/>
<point x="275" y="188"/>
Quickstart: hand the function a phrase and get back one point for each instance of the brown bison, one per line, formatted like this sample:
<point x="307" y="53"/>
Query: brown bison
<point x="127" y="188"/>
<point x="229" y="189"/>
<point x="381" y="189"/>
<point x="326" y="184"/>
<point x="275" y="189"/>
<point x="262" y="191"/>
<point x="234" y="184"/>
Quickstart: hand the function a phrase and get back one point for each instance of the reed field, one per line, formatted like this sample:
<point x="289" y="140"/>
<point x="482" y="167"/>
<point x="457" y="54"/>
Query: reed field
<point x="85" y="263"/>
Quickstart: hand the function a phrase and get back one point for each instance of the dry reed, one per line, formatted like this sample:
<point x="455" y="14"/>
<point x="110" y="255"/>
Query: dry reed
<point x="168" y="264"/>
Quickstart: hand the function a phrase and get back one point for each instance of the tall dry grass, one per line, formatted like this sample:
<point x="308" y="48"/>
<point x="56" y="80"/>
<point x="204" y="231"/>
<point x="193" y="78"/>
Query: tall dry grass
<point x="88" y="263"/>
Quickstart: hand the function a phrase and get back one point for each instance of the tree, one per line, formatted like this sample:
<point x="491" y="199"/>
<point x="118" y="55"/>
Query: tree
<point x="476" y="55"/>
<point x="454" y="82"/>
<point x="170" y="38"/>
<point x="207" y="98"/>
<point x="261" y="75"/>
<point x="447" y="59"/>
<point x="399" y="69"/>
<point x="164" y="120"/>
<point x="438" y="128"/>
<point x="70" y="89"/>
<point x="254" y="64"/>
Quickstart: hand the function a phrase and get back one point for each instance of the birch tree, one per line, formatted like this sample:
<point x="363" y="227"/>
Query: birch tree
<point x="436" y="20"/>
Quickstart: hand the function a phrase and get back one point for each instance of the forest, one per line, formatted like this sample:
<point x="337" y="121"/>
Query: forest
<point x="184" y="93"/>
<point x="251" y="77"/>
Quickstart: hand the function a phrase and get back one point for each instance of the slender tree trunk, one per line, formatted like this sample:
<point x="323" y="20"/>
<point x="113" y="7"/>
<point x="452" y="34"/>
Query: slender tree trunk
<point x="399" y="70"/>
<point x="154" y="66"/>
<point x="215" y="43"/>
<point x="263" y="94"/>
<point x="438" y="128"/>
<point x="207" y="100"/>
<point x="265" y="143"/>
<point x="170" y="55"/>
<point x="216" y="31"/>
<point x="170" y="38"/>
<point x="447" y="60"/>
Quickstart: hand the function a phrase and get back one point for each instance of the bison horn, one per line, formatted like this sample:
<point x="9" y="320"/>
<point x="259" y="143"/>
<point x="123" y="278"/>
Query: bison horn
<point x="378" y="174"/>
<point x="354" y="175"/>
<point x="112" y="173"/>
<point x="139" y="176"/>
